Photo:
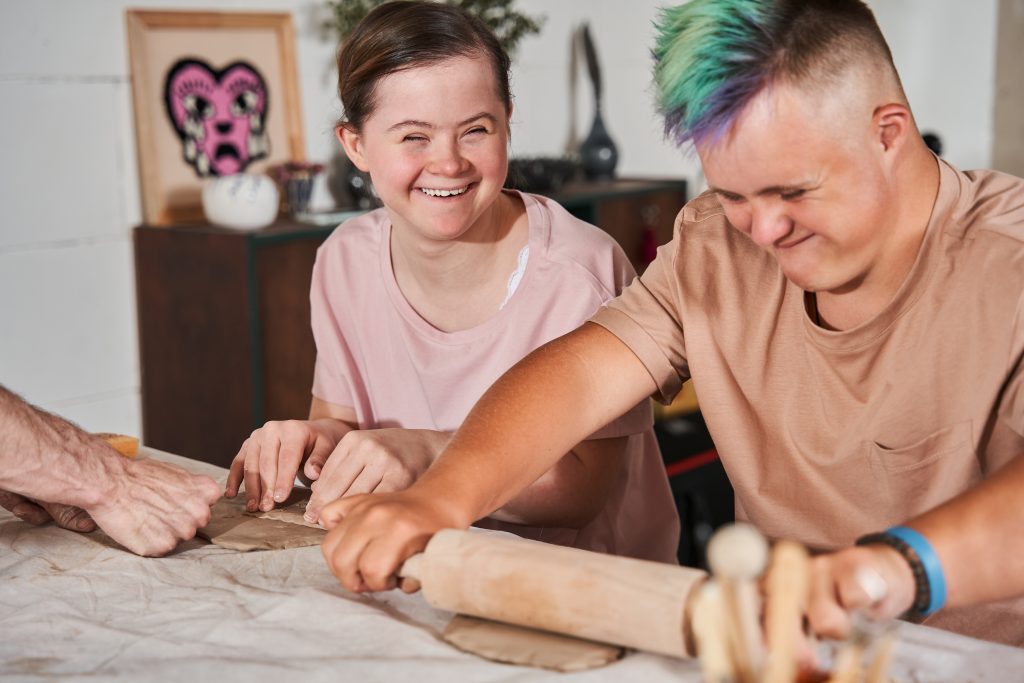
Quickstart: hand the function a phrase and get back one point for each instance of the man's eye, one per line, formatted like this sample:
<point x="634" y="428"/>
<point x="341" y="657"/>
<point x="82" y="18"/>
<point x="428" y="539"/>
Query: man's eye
<point x="729" y="198"/>
<point x="795" y="194"/>
<point x="413" y="138"/>
<point x="476" y="130"/>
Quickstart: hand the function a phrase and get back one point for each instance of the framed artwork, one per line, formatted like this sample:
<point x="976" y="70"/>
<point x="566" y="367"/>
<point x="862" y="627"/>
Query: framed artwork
<point x="214" y="93"/>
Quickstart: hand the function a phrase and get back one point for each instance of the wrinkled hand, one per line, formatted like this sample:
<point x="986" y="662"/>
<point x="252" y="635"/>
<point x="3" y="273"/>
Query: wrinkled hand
<point x="374" y="461"/>
<point x="874" y="580"/>
<point x="39" y="512"/>
<point x="269" y="460"/>
<point x="152" y="506"/>
<point x="372" y="535"/>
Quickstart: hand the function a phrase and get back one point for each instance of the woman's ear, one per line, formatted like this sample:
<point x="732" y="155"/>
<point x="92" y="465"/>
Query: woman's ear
<point x="352" y="142"/>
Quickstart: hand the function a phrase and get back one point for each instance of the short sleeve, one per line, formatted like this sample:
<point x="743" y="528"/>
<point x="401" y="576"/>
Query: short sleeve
<point x="646" y="318"/>
<point x="334" y="361"/>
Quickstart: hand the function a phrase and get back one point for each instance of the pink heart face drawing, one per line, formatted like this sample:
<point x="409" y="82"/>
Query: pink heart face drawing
<point x="220" y="116"/>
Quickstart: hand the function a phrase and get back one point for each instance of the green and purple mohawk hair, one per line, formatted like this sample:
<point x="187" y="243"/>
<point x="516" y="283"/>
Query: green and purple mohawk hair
<point x="711" y="57"/>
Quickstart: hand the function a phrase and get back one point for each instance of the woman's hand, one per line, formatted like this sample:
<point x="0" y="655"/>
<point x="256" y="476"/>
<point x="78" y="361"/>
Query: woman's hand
<point x="374" y="461"/>
<point x="270" y="458"/>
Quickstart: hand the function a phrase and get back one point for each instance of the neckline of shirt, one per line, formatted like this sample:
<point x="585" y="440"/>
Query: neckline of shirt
<point x="909" y="292"/>
<point x="538" y="227"/>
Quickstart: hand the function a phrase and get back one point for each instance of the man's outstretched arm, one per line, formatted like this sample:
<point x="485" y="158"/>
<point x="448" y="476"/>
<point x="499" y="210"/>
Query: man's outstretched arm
<point x="534" y="414"/>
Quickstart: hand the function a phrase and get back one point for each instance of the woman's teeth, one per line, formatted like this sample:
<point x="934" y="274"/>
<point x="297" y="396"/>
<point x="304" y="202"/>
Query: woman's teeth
<point x="442" y="193"/>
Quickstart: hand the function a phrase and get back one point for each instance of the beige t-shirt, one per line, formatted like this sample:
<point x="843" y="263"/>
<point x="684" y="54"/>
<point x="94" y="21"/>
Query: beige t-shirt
<point x="827" y="435"/>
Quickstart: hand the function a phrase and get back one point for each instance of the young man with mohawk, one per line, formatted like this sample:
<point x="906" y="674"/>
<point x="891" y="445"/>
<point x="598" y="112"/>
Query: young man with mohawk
<point x="848" y="306"/>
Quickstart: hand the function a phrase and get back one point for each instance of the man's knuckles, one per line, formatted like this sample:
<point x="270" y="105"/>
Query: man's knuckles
<point x="828" y="619"/>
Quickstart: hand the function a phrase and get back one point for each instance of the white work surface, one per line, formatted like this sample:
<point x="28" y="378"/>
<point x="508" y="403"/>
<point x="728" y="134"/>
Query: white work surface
<point x="76" y="606"/>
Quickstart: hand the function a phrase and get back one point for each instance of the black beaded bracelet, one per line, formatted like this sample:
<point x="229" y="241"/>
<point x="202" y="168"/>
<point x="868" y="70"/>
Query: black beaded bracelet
<point x="922" y="589"/>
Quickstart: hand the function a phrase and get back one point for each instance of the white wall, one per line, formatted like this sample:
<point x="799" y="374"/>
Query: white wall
<point x="945" y="51"/>
<point x="69" y="187"/>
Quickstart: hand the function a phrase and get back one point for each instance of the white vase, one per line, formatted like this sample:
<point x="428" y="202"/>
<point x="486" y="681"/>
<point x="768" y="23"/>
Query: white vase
<point x="244" y="201"/>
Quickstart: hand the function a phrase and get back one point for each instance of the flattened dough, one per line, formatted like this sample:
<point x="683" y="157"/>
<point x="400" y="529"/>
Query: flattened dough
<point x="525" y="646"/>
<point x="283" y="527"/>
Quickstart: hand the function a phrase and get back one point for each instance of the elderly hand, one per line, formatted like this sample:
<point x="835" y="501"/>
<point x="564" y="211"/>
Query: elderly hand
<point x="371" y="536"/>
<point x="374" y="461"/>
<point x="270" y="458"/>
<point x="873" y="579"/>
<point x="150" y="506"/>
<point x="39" y="512"/>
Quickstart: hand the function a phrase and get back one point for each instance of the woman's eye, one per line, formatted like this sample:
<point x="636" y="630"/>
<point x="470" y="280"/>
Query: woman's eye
<point x="413" y="138"/>
<point x="471" y="131"/>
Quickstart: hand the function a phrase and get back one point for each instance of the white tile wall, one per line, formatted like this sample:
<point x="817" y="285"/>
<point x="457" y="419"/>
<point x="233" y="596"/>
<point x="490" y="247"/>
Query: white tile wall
<point x="945" y="53"/>
<point x="63" y="179"/>
<point x="69" y="321"/>
<point x="115" y="411"/>
<point x="68" y="177"/>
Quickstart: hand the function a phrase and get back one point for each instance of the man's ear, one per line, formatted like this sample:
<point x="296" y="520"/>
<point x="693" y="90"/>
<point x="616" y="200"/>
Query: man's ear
<point x="352" y="142"/>
<point x="893" y="124"/>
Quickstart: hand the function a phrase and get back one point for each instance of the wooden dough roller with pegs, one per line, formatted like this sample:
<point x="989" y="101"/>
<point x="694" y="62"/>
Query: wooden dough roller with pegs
<point x="618" y="600"/>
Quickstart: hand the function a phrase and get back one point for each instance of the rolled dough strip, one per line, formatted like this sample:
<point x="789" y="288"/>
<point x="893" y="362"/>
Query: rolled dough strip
<point x="526" y="646"/>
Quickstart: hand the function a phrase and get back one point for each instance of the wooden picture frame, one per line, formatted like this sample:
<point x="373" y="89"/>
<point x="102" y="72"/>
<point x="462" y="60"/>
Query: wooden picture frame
<point x="213" y="93"/>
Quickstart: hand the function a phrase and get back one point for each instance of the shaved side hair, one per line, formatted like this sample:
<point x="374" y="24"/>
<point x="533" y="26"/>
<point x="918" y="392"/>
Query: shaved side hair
<point x="712" y="57"/>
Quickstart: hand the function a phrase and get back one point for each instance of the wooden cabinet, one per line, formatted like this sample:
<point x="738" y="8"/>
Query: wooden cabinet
<point x="224" y="333"/>
<point x="639" y="214"/>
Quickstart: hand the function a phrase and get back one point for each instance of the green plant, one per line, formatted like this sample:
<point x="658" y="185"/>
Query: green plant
<point x="508" y="24"/>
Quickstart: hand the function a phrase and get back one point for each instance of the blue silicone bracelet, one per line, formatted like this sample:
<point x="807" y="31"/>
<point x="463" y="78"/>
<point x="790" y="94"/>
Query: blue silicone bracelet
<point x="929" y="562"/>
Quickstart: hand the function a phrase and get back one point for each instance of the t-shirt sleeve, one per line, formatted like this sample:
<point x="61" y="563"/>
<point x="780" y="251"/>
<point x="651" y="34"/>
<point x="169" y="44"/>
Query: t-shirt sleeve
<point x="645" y="317"/>
<point x="334" y="361"/>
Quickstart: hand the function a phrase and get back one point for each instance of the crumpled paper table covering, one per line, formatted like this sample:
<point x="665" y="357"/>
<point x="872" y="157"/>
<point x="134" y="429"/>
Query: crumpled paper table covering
<point x="78" y="607"/>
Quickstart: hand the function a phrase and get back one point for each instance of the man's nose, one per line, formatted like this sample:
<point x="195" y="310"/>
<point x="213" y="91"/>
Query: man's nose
<point x="768" y="225"/>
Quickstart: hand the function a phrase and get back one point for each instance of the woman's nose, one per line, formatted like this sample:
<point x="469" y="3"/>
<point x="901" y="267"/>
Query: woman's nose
<point x="447" y="160"/>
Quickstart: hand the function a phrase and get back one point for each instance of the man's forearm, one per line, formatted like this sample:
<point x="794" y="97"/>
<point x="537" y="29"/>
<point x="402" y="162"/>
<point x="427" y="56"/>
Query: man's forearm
<point x="47" y="458"/>
<point x="552" y="500"/>
<point x="978" y="538"/>
<point x="532" y="416"/>
<point x="573" y="492"/>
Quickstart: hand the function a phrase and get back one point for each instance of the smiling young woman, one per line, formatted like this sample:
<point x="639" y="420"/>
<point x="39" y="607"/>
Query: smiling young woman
<point x="419" y="306"/>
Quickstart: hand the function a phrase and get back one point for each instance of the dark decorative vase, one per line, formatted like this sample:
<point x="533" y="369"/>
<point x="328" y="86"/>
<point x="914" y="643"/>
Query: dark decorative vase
<point x="350" y="187"/>
<point x="297" y="192"/>
<point x="598" y="154"/>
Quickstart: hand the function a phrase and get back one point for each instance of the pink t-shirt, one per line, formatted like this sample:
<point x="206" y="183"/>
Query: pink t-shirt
<point x="376" y="355"/>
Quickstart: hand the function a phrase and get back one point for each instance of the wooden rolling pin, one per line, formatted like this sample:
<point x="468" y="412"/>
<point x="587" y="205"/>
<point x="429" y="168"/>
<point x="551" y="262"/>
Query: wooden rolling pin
<point x="609" y="599"/>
